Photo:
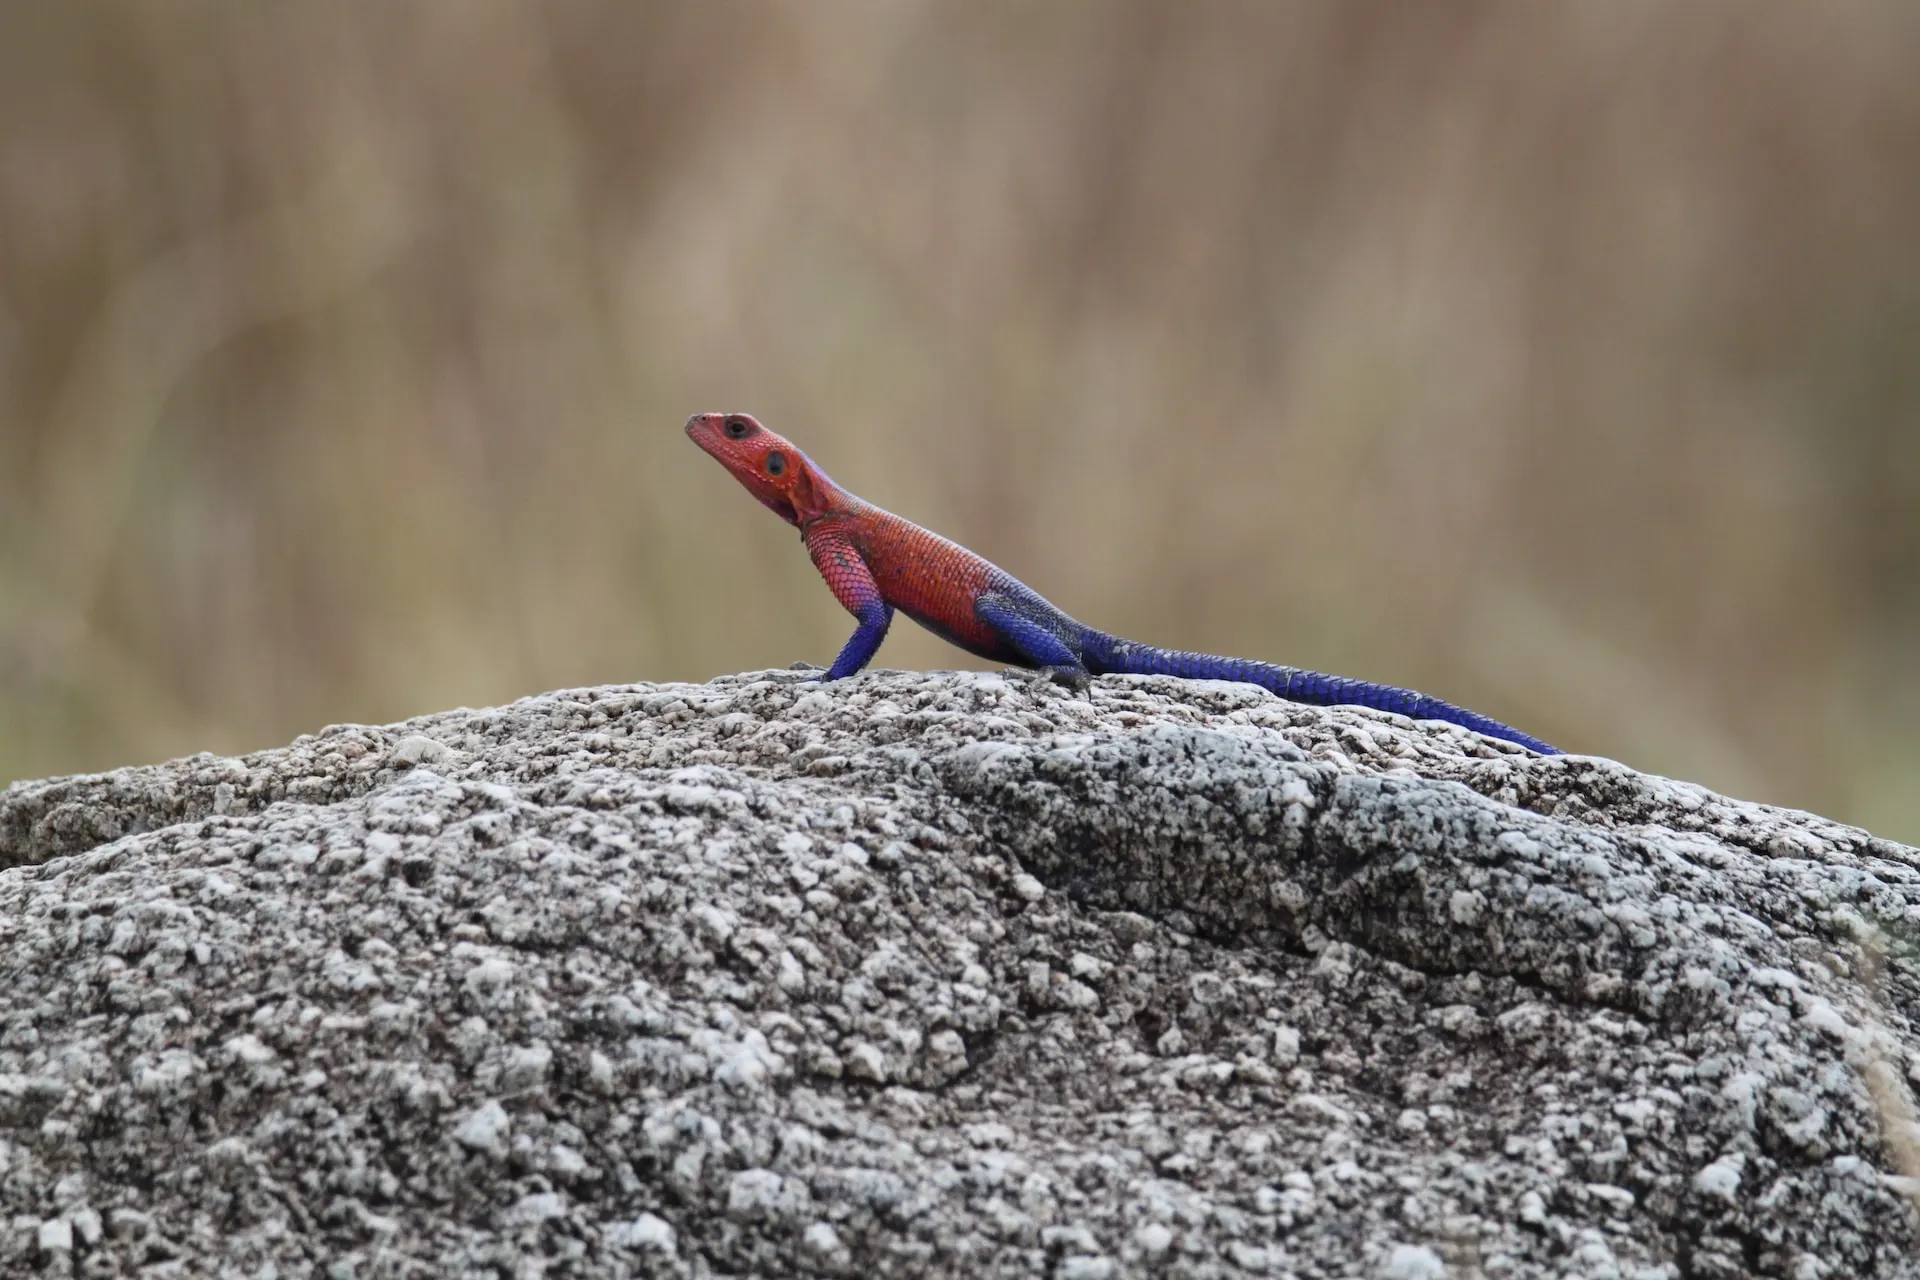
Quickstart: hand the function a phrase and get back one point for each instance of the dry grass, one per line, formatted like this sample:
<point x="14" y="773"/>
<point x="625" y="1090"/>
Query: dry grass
<point x="1560" y="360"/>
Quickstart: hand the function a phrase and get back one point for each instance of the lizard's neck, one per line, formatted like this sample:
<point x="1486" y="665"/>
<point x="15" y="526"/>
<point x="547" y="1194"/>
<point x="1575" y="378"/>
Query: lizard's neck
<point x="814" y="496"/>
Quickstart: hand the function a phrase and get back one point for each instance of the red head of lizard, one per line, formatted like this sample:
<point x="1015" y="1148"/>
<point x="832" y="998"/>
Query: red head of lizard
<point x="770" y="468"/>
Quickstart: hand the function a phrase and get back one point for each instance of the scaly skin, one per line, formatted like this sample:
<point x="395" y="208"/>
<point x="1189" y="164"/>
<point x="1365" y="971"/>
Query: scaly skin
<point x="875" y="562"/>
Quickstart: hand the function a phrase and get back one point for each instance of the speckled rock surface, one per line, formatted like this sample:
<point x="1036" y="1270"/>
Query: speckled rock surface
<point x="938" y="974"/>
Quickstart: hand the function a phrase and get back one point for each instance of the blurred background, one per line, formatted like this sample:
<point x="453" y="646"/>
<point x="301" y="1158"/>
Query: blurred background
<point x="1560" y="360"/>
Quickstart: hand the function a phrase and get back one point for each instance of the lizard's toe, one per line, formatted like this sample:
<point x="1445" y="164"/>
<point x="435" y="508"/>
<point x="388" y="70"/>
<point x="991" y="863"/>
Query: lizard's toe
<point x="1074" y="678"/>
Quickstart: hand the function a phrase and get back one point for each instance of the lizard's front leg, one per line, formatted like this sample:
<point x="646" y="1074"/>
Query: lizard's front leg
<point x="853" y="586"/>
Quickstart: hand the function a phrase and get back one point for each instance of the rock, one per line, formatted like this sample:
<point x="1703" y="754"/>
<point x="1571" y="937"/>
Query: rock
<point x="1413" y="1262"/>
<point x="953" y="974"/>
<point x="55" y="1235"/>
<point x="485" y="1129"/>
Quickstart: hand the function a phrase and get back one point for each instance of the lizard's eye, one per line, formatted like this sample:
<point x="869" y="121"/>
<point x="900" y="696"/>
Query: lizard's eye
<point x="738" y="428"/>
<point x="776" y="463"/>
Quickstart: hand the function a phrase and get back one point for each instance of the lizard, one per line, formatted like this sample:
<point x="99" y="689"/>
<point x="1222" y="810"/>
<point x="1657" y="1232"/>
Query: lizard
<point x="876" y="562"/>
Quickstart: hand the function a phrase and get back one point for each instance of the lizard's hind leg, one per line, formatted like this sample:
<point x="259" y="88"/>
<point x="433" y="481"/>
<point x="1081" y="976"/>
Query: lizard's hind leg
<point x="1040" y="645"/>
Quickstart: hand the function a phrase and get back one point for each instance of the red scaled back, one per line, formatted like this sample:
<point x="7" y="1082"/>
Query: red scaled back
<point x="931" y="580"/>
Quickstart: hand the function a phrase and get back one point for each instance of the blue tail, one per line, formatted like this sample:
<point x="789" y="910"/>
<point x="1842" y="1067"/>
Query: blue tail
<point x="1110" y="655"/>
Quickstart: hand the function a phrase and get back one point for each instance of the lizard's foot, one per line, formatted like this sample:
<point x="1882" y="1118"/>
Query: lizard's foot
<point x="1074" y="678"/>
<point x="805" y="666"/>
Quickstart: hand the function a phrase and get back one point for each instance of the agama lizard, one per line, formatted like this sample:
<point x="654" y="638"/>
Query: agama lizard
<point x="876" y="562"/>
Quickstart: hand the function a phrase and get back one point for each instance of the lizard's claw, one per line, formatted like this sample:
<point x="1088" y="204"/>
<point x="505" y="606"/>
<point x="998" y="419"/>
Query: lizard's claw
<point x="1074" y="678"/>
<point x="805" y="666"/>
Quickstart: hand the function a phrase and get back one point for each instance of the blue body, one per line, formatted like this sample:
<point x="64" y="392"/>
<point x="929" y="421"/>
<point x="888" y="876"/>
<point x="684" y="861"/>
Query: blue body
<point x="1033" y="632"/>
